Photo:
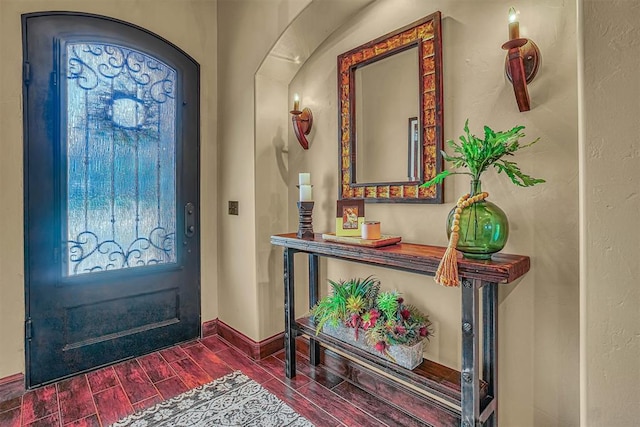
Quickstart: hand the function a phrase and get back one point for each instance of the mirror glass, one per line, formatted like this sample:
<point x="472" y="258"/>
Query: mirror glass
<point x="387" y="98"/>
<point x="390" y="116"/>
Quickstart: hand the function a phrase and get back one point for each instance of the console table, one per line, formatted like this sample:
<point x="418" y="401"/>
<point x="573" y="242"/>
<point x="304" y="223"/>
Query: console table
<point x="477" y="395"/>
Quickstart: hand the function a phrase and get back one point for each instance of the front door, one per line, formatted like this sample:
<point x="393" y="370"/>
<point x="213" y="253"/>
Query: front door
<point x="112" y="246"/>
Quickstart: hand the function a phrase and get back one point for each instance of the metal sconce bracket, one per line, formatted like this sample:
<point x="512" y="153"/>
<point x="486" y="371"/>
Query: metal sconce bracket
<point x="521" y="66"/>
<point x="302" y="122"/>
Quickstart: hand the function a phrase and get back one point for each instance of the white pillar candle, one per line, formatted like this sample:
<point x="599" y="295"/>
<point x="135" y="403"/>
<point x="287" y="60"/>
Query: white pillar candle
<point x="514" y="25"/>
<point x="296" y="103"/>
<point x="304" y="178"/>
<point x="305" y="193"/>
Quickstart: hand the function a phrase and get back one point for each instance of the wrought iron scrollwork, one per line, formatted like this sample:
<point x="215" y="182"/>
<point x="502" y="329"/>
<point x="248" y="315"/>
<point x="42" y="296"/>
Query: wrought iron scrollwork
<point x="88" y="254"/>
<point x="117" y="62"/>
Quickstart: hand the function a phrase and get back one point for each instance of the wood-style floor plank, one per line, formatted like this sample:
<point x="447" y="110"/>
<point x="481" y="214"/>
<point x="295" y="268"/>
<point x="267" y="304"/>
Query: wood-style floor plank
<point x="319" y="373"/>
<point x="52" y="420"/>
<point x="190" y="373"/>
<point x="338" y="407"/>
<point x="300" y="404"/>
<point x="75" y="398"/>
<point x="90" y="421"/>
<point x="208" y="361"/>
<point x="102" y="379"/>
<point x="11" y="417"/>
<point x="39" y="403"/>
<point x="173" y="354"/>
<point x="377" y="408"/>
<point x="135" y="381"/>
<point x="112" y="405"/>
<point x="171" y="387"/>
<point x="11" y="403"/>
<point x="215" y="343"/>
<point x="241" y="362"/>
<point x="275" y="366"/>
<point x="147" y="403"/>
<point x="156" y="367"/>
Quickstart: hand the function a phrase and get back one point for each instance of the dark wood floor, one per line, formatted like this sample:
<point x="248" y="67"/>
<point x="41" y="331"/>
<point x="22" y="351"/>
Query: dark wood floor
<point x="102" y="397"/>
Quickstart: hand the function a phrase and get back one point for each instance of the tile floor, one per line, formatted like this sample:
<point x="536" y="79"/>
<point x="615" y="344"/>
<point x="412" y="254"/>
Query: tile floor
<point x="102" y="397"/>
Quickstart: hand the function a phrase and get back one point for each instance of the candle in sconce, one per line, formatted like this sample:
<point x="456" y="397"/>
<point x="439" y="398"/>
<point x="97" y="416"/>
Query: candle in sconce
<point x="304" y="178"/>
<point x="514" y="25"/>
<point x="296" y="102"/>
<point x="305" y="193"/>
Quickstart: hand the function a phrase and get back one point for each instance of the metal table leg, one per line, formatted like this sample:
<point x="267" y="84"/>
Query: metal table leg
<point x="470" y="378"/>
<point x="289" y="315"/>
<point x="490" y="346"/>
<point x="314" y="346"/>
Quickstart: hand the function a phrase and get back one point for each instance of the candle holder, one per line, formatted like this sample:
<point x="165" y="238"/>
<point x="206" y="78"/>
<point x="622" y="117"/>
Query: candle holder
<point x="302" y="123"/>
<point x="305" y="223"/>
<point x="522" y="62"/>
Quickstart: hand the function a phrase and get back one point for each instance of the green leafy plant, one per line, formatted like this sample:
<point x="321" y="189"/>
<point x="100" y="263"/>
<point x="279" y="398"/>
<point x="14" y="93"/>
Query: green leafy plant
<point x="387" y="302"/>
<point x="477" y="155"/>
<point x="383" y="316"/>
<point x="347" y="299"/>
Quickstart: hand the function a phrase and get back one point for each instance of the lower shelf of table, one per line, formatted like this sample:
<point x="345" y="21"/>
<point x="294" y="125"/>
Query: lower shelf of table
<point x="429" y="377"/>
<point x="390" y="392"/>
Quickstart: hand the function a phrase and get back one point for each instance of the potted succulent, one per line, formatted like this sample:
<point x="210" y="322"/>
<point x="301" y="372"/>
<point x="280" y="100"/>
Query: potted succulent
<point x="378" y="322"/>
<point x="480" y="227"/>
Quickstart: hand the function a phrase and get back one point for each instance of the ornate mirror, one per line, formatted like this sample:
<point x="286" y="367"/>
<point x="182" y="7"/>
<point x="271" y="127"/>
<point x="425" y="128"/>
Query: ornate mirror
<point x="390" y="97"/>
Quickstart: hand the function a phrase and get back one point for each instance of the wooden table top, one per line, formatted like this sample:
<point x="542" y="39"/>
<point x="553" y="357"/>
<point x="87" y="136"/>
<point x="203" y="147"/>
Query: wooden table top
<point x="424" y="259"/>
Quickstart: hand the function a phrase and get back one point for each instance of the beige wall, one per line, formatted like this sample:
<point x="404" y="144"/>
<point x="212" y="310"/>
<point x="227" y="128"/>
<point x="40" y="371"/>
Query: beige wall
<point x="539" y="317"/>
<point x="247" y="31"/>
<point x="188" y="24"/>
<point x="257" y="40"/>
<point x="276" y="149"/>
<point x="610" y="174"/>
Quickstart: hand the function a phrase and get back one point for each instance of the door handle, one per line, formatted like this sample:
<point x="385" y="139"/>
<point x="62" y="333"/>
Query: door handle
<point x="189" y="220"/>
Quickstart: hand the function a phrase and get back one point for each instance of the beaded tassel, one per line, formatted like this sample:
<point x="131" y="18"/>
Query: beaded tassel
<point x="447" y="273"/>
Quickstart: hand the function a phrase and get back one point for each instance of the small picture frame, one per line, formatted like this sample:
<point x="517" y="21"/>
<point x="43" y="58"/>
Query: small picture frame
<point x="349" y="217"/>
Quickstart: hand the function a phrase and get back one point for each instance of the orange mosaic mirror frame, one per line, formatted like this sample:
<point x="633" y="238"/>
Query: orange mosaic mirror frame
<point x="427" y="36"/>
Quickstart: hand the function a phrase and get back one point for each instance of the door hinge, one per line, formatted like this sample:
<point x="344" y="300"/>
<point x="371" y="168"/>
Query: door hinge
<point x="26" y="73"/>
<point x="28" y="329"/>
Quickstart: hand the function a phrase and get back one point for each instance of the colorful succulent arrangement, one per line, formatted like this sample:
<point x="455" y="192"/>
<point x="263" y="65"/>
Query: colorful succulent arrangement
<point x="384" y="317"/>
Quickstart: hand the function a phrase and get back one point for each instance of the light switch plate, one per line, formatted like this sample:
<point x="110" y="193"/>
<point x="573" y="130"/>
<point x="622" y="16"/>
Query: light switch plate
<point x="233" y="207"/>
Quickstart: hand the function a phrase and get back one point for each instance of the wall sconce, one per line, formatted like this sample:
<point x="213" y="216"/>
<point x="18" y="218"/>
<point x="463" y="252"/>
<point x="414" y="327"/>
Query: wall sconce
<point x="522" y="62"/>
<point x="302" y="122"/>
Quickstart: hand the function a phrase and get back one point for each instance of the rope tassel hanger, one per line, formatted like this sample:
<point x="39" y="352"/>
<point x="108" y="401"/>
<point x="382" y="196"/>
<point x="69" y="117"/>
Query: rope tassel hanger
<point x="447" y="272"/>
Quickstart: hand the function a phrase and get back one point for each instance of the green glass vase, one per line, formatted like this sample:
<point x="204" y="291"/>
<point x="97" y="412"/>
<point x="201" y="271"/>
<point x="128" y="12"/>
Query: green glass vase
<point x="484" y="227"/>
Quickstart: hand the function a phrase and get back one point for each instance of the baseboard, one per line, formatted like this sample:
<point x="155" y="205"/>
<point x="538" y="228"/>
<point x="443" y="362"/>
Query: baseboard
<point x="255" y="350"/>
<point x="209" y="328"/>
<point x="11" y="387"/>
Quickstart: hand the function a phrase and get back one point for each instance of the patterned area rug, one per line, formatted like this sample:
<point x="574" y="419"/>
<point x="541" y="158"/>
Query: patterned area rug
<point x="233" y="400"/>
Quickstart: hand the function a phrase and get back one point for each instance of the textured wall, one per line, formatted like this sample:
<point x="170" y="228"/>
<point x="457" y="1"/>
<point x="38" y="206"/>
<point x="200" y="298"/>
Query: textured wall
<point x="247" y="31"/>
<point x="187" y="23"/>
<point x="611" y="236"/>
<point x="539" y="317"/>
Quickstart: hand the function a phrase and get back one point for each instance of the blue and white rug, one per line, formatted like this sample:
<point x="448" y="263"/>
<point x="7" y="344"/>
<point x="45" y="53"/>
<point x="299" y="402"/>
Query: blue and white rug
<point x="233" y="400"/>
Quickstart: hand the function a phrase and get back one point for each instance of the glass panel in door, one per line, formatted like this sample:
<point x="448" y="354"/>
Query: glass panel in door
<point x="120" y="159"/>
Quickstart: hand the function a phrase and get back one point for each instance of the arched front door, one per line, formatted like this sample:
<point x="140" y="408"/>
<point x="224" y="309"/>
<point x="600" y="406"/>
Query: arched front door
<point x="112" y="241"/>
